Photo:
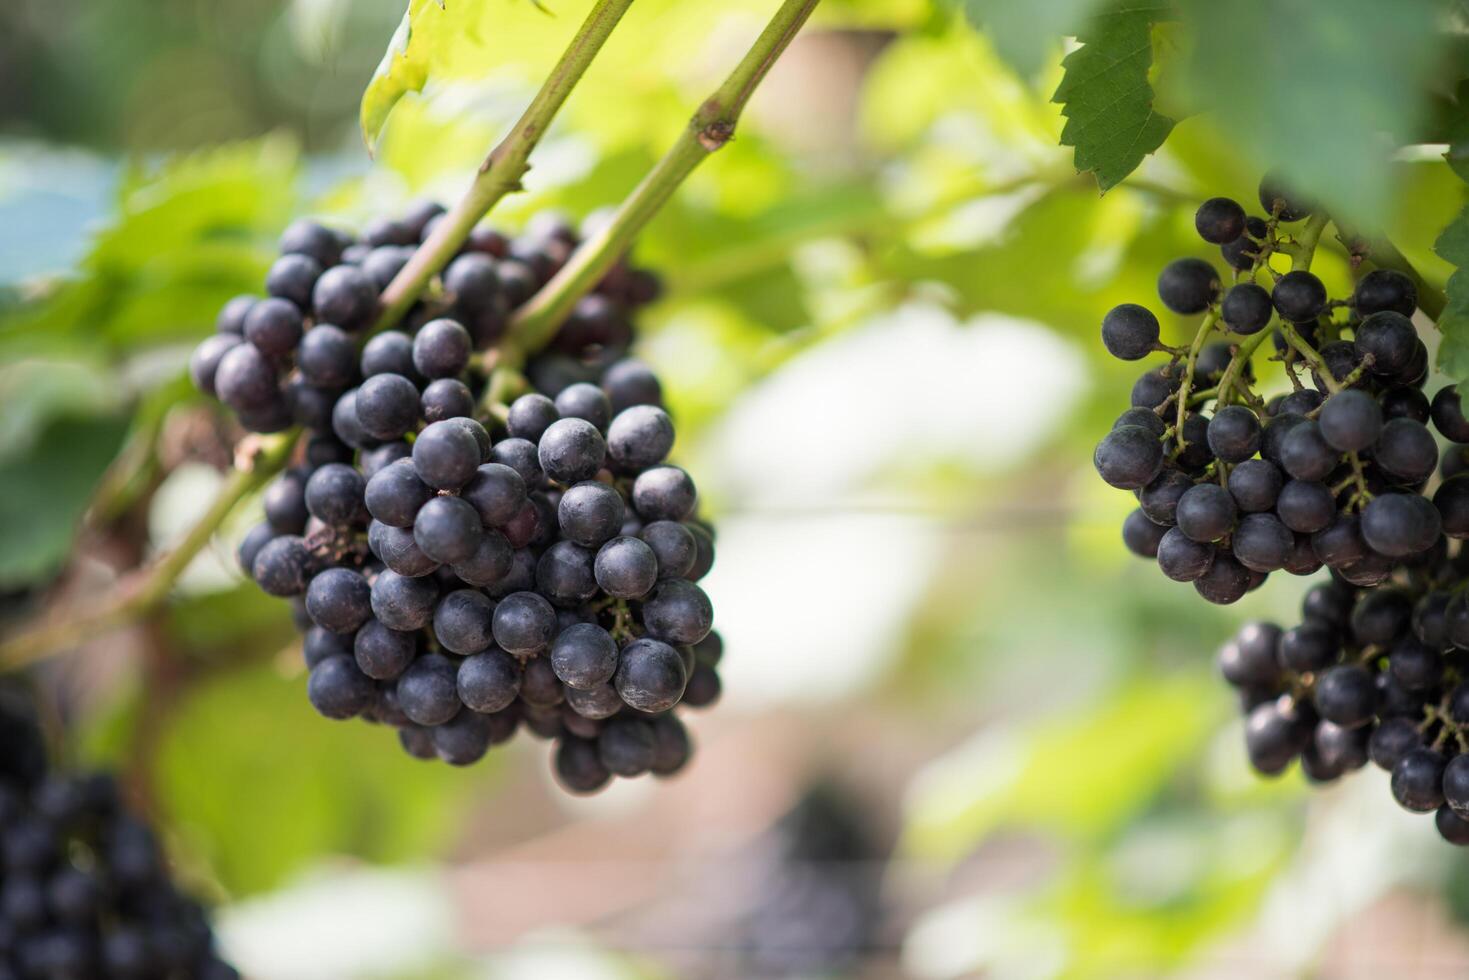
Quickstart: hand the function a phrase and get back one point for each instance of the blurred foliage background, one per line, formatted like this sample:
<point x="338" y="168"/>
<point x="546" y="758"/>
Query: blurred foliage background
<point x="962" y="731"/>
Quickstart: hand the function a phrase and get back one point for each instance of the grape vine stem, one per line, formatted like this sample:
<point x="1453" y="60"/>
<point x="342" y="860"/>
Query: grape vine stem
<point x="146" y="589"/>
<point x="503" y="169"/>
<point x="711" y="127"/>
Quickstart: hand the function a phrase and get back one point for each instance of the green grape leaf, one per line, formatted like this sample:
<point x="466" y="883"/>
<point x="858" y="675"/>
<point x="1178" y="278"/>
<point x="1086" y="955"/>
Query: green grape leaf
<point x="1026" y="32"/>
<point x="1453" y="350"/>
<point x="1106" y="94"/>
<point x="414" y="47"/>
<point x="45" y="490"/>
<point x="1329" y="100"/>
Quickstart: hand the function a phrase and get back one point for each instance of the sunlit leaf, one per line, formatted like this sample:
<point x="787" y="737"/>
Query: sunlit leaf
<point x="1110" y="117"/>
<point x="427" y="27"/>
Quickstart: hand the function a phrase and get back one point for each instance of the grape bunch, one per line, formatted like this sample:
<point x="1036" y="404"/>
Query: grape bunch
<point x="84" y="887"/>
<point x="1379" y="674"/>
<point x="1340" y="470"/>
<point x="463" y="567"/>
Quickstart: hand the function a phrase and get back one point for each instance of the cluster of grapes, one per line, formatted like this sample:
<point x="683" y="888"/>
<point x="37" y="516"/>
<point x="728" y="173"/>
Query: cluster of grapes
<point x="455" y="583"/>
<point x="84" y="888"/>
<point x="1379" y="673"/>
<point x="1338" y="472"/>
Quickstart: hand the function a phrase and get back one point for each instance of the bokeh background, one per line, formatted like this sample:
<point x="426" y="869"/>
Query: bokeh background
<point x="963" y="733"/>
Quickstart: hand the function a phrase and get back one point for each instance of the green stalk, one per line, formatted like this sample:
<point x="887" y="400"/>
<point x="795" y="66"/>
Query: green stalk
<point x="503" y="169"/>
<point x="150" y="586"/>
<point x="711" y="127"/>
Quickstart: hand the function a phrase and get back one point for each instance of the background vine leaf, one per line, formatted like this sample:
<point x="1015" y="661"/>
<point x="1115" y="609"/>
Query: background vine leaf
<point x="1107" y="97"/>
<point x="1453" y="350"/>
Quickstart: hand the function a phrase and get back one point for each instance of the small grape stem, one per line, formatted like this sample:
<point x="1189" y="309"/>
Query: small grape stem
<point x="711" y="127"/>
<point x="147" y="588"/>
<point x="1211" y="319"/>
<point x="503" y="170"/>
<point x="1310" y="356"/>
<point x="1231" y="378"/>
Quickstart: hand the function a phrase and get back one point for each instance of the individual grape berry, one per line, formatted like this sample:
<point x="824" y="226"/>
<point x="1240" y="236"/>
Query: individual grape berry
<point x="1181" y="558"/>
<point x="387" y="406"/>
<point x="1414" y="665"/>
<point x="291" y="278"/>
<point x="1390" y="339"/>
<point x="650" y="675"/>
<point x="1255" y="485"/>
<point x="703" y="553"/>
<point x="1350" y="420"/>
<point x="231" y="319"/>
<point x="627" y="746"/>
<point x="1243" y="252"/>
<point x="1299" y="296"/>
<point x="672" y="748"/>
<point x="1417" y="780"/>
<point x="246" y="381"/>
<point x="1281" y="201"/>
<point x="338" y="690"/>
<point x="1451" y="827"/>
<point x="395" y="494"/>
<point x="284" y="501"/>
<point x="586" y="402"/>
<point x="334" y="495"/>
<point x="1147" y="418"/>
<point x="282" y="566"/>
<point x="398" y="550"/>
<point x="1246" y="308"/>
<point x="565" y="574"/>
<point x="1128" y="457"/>
<point x="590" y="513"/>
<point x="1306" y="455"/>
<point x="448" y="530"/>
<point x="344" y="296"/>
<point x="1249" y="659"/>
<point x="390" y="352"/>
<point x="445" y="455"/>
<point x="1275" y="733"/>
<point x="204" y="362"/>
<point x="1206" y="512"/>
<point x="1346" y="695"/>
<point x="1262" y="543"/>
<point x="492" y="560"/>
<point x="1234" y="433"/>
<point x="1392" y="741"/>
<point x="446" y="398"/>
<point x="678" y="612"/>
<point x="1226" y="580"/>
<point x="1404" y="402"/>
<point x="1452" y="503"/>
<point x="664" y="493"/>
<point x="1340" y="543"/>
<point x="674" y="546"/>
<point x="631" y="382"/>
<point x="382" y="264"/>
<point x="402" y="602"/>
<point x="382" y="653"/>
<point x="525" y="623"/>
<point x="1305" y="507"/>
<point x="628" y="568"/>
<point x="579" y="766"/>
<point x="489" y="681"/>
<point x="1400" y="524"/>
<point x="464" y="739"/>
<point x="1406" y="450"/>
<point x="309" y="238"/>
<point x="640" y="437"/>
<point x="1130" y="332"/>
<point x="530" y="416"/>
<point x="1154" y="388"/>
<point x="584" y="656"/>
<point x="339" y="600"/>
<point x="1219" y="220"/>
<point x="1448" y="414"/>
<point x="428" y="691"/>
<point x="571" y="450"/>
<point x="327" y="357"/>
<point x="1188" y="285"/>
<point x="1385" y="289"/>
<point x="1141" y="536"/>
<point x="250" y="546"/>
<point x="441" y="349"/>
<point x="462" y="622"/>
<point x="540" y="687"/>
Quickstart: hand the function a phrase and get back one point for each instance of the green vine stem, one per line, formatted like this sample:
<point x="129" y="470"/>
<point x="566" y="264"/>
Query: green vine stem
<point x="503" y="169"/>
<point x="711" y="127"/>
<point x="149" y="586"/>
<point x="1211" y="320"/>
